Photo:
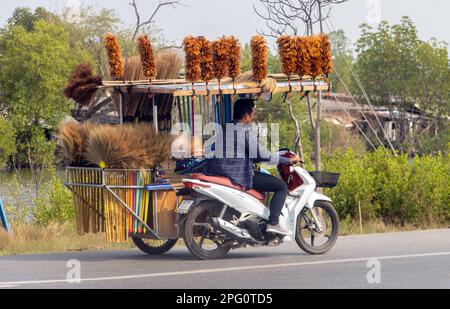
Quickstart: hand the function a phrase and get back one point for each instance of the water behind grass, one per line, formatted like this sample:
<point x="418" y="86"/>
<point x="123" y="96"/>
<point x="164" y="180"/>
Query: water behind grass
<point x="24" y="190"/>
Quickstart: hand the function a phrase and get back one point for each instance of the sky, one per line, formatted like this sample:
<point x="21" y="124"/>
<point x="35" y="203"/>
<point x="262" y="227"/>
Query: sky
<point x="214" y="18"/>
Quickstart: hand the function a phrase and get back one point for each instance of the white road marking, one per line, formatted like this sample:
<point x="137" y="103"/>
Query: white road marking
<point x="8" y="286"/>
<point x="219" y="270"/>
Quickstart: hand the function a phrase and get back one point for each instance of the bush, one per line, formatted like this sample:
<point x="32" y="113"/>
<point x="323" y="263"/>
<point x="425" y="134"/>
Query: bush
<point x="54" y="205"/>
<point x="397" y="190"/>
<point x="7" y="141"/>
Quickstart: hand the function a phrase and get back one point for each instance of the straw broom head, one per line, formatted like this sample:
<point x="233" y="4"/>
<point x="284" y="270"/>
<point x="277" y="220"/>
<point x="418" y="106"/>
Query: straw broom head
<point x="235" y="57"/>
<point x="193" y="63"/>
<point x="82" y="84"/>
<point x="147" y="57"/>
<point x="72" y="138"/>
<point x="288" y="54"/>
<point x="207" y="59"/>
<point x="129" y="147"/>
<point x="221" y="52"/>
<point x="168" y="65"/>
<point x="115" y="59"/>
<point x="259" y="50"/>
<point x="327" y="58"/>
<point x="248" y="79"/>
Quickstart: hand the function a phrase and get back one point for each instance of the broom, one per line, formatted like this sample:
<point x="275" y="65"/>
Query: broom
<point x="82" y="85"/>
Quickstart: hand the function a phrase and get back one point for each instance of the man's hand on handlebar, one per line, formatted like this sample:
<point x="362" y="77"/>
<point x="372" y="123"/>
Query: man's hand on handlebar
<point x="296" y="159"/>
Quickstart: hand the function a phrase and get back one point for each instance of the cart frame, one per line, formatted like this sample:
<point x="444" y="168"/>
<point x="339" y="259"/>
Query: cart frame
<point x="151" y="233"/>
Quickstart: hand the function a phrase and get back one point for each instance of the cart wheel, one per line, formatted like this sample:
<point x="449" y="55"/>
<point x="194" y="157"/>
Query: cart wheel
<point x="154" y="247"/>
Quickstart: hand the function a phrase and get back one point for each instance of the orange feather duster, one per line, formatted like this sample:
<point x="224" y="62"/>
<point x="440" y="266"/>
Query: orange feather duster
<point x="147" y="57"/>
<point x="221" y="53"/>
<point x="259" y="50"/>
<point x="327" y="59"/>
<point x="304" y="65"/>
<point x="207" y="59"/>
<point x="287" y="47"/>
<point x="315" y="55"/>
<point x="116" y="67"/>
<point x="234" y="57"/>
<point x="193" y="64"/>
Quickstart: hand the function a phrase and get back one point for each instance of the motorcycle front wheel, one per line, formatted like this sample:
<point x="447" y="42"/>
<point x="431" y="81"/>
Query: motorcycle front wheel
<point x="312" y="240"/>
<point x="202" y="240"/>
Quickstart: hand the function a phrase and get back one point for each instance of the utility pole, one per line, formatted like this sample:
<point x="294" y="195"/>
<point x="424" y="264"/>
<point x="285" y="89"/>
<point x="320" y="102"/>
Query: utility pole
<point x="318" y="140"/>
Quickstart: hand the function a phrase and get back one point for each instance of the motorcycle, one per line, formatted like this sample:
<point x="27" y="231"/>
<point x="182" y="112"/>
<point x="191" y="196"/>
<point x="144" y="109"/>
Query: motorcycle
<point x="220" y="216"/>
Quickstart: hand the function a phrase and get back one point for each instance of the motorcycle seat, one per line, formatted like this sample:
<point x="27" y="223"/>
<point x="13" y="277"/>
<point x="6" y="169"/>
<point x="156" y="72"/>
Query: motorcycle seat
<point x="224" y="181"/>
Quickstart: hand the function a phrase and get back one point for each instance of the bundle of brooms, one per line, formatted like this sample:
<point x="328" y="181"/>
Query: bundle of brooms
<point x="136" y="146"/>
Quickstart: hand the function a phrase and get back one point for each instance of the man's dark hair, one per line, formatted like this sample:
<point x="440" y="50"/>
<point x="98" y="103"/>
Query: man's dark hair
<point x="243" y="107"/>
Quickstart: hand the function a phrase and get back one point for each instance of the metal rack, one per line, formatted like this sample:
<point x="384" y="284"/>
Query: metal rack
<point x="121" y="203"/>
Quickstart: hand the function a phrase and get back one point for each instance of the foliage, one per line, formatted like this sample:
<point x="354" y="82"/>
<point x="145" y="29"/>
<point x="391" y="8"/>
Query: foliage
<point x="34" y="66"/>
<point x="342" y="57"/>
<point x="394" y="189"/>
<point x="402" y="72"/>
<point x="54" y="204"/>
<point x="7" y="142"/>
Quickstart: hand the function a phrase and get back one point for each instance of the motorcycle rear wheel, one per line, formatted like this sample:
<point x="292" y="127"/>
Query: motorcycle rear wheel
<point x="307" y="235"/>
<point x="200" y="237"/>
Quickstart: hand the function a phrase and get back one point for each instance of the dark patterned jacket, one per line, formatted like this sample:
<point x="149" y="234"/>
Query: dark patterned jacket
<point x="235" y="156"/>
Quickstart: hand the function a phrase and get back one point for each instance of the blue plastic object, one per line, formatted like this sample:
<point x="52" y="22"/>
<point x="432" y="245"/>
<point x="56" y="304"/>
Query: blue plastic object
<point x="3" y="218"/>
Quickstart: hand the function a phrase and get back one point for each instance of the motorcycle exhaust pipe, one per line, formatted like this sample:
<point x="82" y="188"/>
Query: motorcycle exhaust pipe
<point x="236" y="233"/>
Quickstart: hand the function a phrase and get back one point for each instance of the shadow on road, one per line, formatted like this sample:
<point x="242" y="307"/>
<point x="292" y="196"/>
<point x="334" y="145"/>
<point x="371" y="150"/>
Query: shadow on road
<point x="135" y="255"/>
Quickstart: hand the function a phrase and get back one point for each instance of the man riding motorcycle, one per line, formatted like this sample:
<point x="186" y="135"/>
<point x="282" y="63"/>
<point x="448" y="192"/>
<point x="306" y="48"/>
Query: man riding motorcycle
<point x="237" y="163"/>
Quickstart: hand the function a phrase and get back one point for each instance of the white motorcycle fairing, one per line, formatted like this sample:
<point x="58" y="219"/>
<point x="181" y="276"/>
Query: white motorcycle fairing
<point x="247" y="205"/>
<point x="238" y="200"/>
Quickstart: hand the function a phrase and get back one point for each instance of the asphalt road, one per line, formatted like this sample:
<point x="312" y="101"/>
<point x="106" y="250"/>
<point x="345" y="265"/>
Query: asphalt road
<point x="401" y="260"/>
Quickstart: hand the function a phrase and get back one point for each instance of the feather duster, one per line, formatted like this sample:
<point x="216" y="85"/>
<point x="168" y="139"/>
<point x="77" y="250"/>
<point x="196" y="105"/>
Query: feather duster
<point x="114" y="56"/>
<point x="287" y="47"/>
<point x="303" y="64"/>
<point x="193" y="63"/>
<point x="327" y="59"/>
<point x="147" y="57"/>
<point x="82" y="84"/>
<point x="221" y="54"/>
<point x="234" y="57"/>
<point x="315" y="55"/>
<point x="207" y="59"/>
<point x="259" y="50"/>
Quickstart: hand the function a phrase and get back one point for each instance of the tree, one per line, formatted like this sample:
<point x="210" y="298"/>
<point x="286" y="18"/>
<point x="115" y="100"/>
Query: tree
<point x="141" y="24"/>
<point x="342" y="57"/>
<point x="34" y="66"/>
<point x="7" y="142"/>
<point x="406" y="74"/>
<point x="290" y="16"/>
<point x="25" y="17"/>
<point x="286" y="17"/>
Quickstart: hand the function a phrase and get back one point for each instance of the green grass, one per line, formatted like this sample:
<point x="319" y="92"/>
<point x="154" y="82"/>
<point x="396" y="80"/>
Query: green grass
<point x="30" y="239"/>
<point x="352" y="227"/>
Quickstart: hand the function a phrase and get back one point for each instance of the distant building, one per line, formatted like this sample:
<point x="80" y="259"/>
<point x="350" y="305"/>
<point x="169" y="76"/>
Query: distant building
<point x="345" y="112"/>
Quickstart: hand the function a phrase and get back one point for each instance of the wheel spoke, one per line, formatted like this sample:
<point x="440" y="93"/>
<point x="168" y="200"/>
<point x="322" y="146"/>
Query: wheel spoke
<point x="202" y="239"/>
<point x="312" y="240"/>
